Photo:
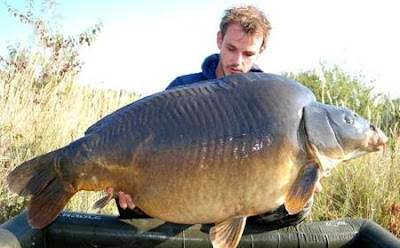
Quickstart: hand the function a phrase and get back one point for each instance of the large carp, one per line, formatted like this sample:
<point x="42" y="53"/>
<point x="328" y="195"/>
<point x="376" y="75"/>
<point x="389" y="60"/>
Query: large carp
<point x="212" y="152"/>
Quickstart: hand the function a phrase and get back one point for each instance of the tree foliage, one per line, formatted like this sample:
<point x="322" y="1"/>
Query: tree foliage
<point x="56" y="54"/>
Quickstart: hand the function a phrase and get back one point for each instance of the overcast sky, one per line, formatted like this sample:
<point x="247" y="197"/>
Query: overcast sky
<point x="145" y="44"/>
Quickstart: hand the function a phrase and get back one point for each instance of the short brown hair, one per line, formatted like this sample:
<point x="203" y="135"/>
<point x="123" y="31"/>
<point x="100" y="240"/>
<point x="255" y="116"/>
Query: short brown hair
<point x="252" y="20"/>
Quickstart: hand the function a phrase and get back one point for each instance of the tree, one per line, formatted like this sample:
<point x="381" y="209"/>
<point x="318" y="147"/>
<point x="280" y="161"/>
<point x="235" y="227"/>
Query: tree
<point x="53" y="55"/>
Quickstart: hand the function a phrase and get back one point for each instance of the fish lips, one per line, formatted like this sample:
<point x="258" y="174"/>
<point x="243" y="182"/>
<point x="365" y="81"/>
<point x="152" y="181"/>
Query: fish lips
<point x="377" y="140"/>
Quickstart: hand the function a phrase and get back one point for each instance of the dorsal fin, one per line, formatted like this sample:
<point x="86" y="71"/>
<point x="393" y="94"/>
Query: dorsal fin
<point x="227" y="234"/>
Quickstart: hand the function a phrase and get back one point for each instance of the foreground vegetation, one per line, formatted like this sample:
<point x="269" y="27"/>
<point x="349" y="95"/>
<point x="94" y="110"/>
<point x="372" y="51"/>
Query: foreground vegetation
<point x="44" y="108"/>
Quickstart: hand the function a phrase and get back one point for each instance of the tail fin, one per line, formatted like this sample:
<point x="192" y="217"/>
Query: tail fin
<point x="39" y="179"/>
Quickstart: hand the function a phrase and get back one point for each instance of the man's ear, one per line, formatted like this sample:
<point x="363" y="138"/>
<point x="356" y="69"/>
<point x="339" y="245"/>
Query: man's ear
<point x="219" y="39"/>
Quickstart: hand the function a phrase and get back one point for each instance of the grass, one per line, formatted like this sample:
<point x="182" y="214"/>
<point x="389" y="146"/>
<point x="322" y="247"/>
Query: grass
<point x="367" y="187"/>
<point x="36" y="119"/>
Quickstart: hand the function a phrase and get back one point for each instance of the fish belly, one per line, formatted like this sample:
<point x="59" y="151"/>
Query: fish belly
<point x="211" y="190"/>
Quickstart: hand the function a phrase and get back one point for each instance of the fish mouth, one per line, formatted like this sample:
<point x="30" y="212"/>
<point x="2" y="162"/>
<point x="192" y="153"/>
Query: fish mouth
<point x="377" y="140"/>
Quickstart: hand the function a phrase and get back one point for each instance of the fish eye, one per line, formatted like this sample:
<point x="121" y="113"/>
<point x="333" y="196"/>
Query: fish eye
<point x="348" y="120"/>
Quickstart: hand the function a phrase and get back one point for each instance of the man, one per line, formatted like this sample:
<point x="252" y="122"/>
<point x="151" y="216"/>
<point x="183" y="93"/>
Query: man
<point x="242" y="38"/>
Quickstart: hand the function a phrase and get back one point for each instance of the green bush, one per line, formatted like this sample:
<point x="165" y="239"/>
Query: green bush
<point x="332" y="85"/>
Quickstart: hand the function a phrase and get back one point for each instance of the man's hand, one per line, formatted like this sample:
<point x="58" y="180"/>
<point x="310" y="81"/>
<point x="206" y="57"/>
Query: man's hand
<point x="124" y="200"/>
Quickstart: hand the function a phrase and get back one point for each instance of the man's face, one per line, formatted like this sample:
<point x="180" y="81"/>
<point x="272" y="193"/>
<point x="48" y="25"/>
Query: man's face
<point x="238" y="51"/>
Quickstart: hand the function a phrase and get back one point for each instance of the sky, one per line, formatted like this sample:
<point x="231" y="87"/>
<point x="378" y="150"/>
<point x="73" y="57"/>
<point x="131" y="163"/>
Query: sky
<point x="145" y="44"/>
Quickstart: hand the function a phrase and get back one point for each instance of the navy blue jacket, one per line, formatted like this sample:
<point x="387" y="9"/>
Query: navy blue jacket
<point x="208" y="69"/>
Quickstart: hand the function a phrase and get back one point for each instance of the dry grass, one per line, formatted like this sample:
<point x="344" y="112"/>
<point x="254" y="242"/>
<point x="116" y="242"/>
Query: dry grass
<point x="368" y="187"/>
<point x="37" y="120"/>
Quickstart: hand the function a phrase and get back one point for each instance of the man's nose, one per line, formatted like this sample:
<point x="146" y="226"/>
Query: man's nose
<point x="238" y="58"/>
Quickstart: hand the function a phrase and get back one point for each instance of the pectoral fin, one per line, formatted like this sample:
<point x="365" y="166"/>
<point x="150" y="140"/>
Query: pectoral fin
<point x="227" y="234"/>
<point x="302" y="189"/>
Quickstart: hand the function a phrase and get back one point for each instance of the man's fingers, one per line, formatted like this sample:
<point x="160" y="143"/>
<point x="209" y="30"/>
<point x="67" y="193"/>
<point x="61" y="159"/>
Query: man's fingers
<point x="129" y="201"/>
<point x="122" y="200"/>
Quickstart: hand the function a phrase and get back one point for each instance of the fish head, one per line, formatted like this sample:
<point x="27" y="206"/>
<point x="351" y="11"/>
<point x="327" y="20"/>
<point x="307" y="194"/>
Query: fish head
<point x="337" y="134"/>
<point x="356" y="135"/>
